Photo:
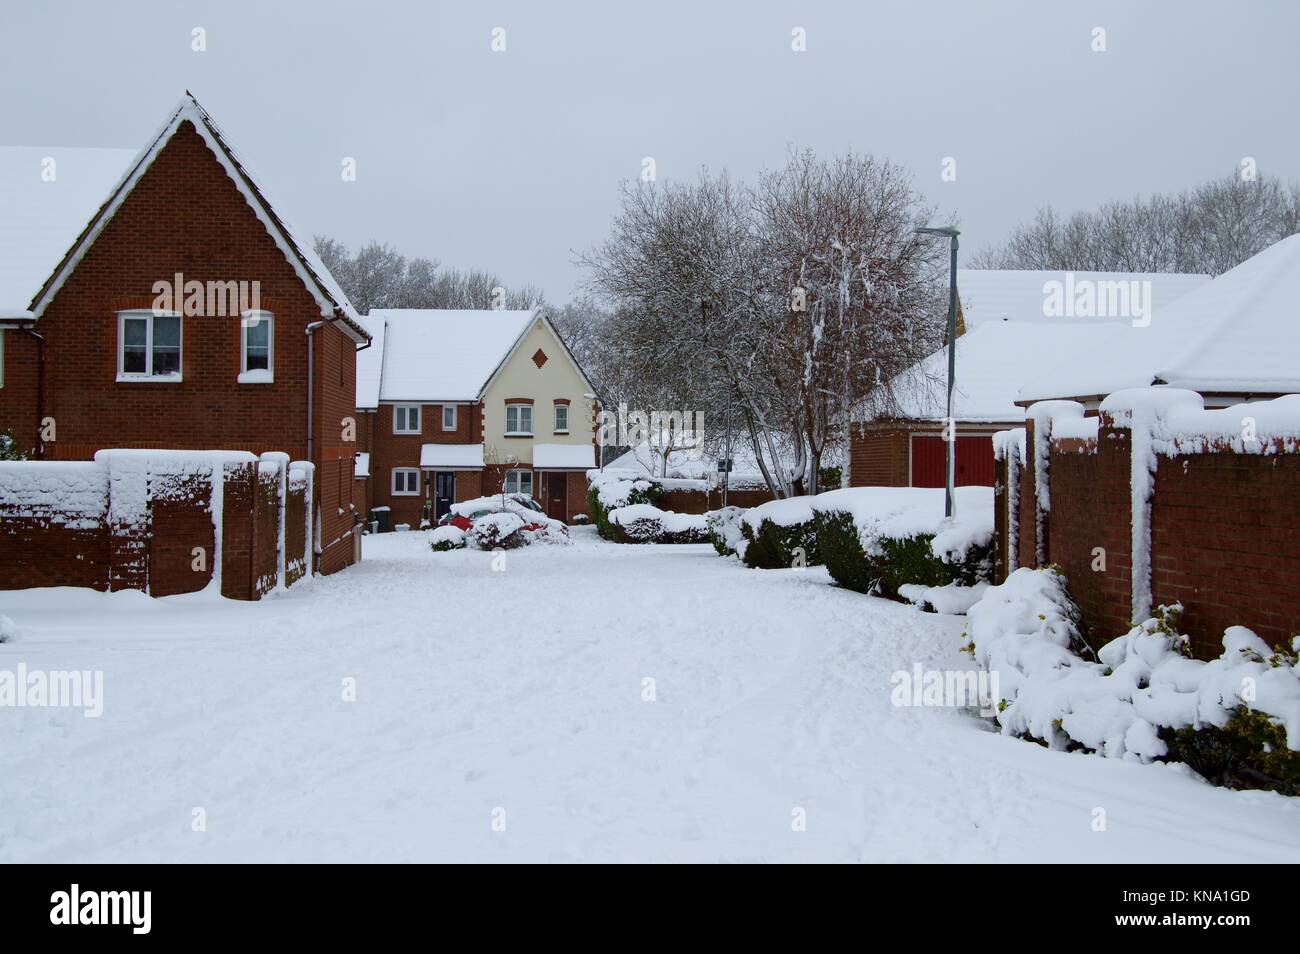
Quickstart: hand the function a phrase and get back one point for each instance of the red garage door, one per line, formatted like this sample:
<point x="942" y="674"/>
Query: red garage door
<point x="974" y="461"/>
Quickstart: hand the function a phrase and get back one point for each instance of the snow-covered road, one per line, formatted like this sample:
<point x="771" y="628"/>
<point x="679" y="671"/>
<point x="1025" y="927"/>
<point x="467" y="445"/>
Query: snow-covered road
<point x="488" y="700"/>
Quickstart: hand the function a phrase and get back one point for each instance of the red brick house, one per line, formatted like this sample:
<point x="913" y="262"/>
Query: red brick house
<point x="187" y="315"/>
<point x="1004" y="337"/>
<point x="453" y="405"/>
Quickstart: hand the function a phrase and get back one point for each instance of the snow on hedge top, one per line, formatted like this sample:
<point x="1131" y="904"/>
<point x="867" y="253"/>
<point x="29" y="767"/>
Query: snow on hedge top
<point x="1239" y="333"/>
<point x="40" y="217"/>
<point x="647" y="461"/>
<point x="439" y="354"/>
<point x="1026" y="631"/>
<point x="894" y="513"/>
<point x="668" y="520"/>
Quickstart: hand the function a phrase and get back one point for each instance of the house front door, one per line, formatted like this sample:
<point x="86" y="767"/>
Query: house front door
<point x="556" y="498"/>
<point x="444" y="493"/>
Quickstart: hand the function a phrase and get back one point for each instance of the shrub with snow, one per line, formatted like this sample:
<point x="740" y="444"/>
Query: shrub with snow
<point x="497" y="531"/>
<point x="447" y="538"/>
<point x="723" y="528"/>
<point x="1236" y="719"/>
<point x="780" y="534"/>
<point x="8" y="630"/>
<point x="881" y="539"/>
<point x="611" y="490"/>
<point x="9" y="449"/>
<point x="643" y="523"/>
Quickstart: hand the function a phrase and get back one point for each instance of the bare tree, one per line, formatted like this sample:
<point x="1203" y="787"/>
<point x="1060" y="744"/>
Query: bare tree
<point x="1209" y="230"/>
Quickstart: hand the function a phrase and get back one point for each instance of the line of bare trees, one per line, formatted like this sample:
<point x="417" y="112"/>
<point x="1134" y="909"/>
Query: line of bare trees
<point x="378" y="276"/>
<point x="1207" y="230"/>
<point x="789" y="303"/>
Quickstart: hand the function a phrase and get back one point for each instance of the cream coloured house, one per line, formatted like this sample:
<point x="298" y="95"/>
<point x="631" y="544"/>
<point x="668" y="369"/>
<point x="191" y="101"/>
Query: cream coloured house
<point x="454" y="405"/>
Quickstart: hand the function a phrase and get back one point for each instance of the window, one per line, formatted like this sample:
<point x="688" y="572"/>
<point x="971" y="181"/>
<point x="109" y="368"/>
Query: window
<point x="561" y="418"/>
<point x="406" y="419"/>
<point x="519" y="419"/>
<point x="148" y="346"/>
<point x="406" y="482"/>
<point x="256" y="347"/>
<point x="519" y="482"/>
<point x="449" y="417"/>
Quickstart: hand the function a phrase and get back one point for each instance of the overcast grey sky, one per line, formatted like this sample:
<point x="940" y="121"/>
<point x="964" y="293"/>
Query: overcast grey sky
<point x="511" y="160"/>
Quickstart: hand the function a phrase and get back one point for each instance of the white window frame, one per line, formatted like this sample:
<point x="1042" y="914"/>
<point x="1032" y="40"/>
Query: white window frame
<point x="558" y="409"/>
<point x="445" y="409"/>
<point x="270" y="342"/>
<point x="148" y="376"/>
<point x="419" y="418"/>
<point x="518" y="417"/>
<point x="403" y="471"/>
<point x="517" y="473"/>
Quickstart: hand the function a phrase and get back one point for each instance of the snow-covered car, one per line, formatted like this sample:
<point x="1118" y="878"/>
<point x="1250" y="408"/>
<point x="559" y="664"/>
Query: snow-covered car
<point x="463" y="514"/>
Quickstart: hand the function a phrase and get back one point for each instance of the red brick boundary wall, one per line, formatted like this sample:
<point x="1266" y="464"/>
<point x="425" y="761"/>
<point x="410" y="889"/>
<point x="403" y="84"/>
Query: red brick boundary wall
<point x="165" y="522"/>
<point x="1214" y="522"/>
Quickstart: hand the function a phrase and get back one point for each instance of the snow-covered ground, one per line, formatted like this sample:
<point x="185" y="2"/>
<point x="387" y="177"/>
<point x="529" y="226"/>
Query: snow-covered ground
<point x="517" y="696"/>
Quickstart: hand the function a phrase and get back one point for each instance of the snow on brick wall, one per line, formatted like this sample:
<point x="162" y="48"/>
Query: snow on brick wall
<point x="165" y="522"/>
<point x="1160" y="500"/>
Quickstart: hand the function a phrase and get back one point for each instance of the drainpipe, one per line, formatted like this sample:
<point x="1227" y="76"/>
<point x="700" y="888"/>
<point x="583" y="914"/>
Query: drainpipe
<point x="311" y="375"/>
<point x="40" y="386"/>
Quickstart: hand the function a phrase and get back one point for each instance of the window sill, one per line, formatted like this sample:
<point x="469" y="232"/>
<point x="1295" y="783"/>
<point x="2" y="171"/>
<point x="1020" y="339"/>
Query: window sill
<point x="518" y="434"/>
<point x="407" y="433"/>
<point x="405" y="493"/>
<point x="148" y="378"/>
<point x="559" y="433"/>
<point x="257" y="376"/>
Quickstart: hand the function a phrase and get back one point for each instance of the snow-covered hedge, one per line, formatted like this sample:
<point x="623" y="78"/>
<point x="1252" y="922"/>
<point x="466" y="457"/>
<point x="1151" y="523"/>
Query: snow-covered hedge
<point x="780" y="534"/>
<point x="1235" y="719"/>
<point x="447" y="537"/>
<point x="724" y="531"/>
<point x="881" y="539"/>
<point x="644" y="523"/>
<point x="613" y="489"/>
<point x="497" y="531"/>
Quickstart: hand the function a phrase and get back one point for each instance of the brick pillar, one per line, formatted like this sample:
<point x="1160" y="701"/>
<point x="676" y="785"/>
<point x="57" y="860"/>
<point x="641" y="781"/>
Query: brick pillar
<point x="128" y="523"/>
<point x="1000" y="523"/>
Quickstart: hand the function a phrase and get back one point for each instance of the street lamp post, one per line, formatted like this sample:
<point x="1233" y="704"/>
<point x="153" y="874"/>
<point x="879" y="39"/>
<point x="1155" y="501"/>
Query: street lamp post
<point x="949" y="502"/>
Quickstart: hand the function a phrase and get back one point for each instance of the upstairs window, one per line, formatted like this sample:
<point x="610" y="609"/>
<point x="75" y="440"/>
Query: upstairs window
<point x="449" y="417"/>
<point x="406" y="419"/>
<point x="256" y="347"/>
<point x="519" y="419"/>
<point x="148" y="346"/>
<point x="561" y="418"/>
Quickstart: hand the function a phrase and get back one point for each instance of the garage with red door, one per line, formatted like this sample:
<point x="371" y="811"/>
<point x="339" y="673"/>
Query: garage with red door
<point x="974" y="460"/>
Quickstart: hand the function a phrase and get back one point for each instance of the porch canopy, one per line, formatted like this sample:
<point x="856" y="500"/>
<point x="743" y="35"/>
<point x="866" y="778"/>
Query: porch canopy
<point x="451" y="456"/>
<point x="564" y="457"/>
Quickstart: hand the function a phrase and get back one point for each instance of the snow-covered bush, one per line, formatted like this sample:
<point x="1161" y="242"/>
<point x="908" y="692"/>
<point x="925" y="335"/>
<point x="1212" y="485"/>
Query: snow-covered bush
<point x="643" y="523"/>
<point x="447" y="538"/>
<point x="780" y="534"/>
<point x="8" y="630"/>
<point x="1235" y="719"/>
<point x="9" y="449"/>
<point x="494" y="531"/>
<point x="880" y="539"/>
<point x="723" y="527"/>
<point x="610" y="490"/>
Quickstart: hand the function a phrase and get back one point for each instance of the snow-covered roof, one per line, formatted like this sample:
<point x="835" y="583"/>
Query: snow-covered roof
<point x="370" y="364"/>
<point x="1010" y="338"/>
<point x="564" y="456"/>
<point x="41" y="217"/>
<point x="362" y="468"/>
<point x="300" y="254"/>
<point x="1238" y="334"/>
<point x="434" y="354"/>
<point x="996" y="294"/>
<point x="452" y="456"/>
